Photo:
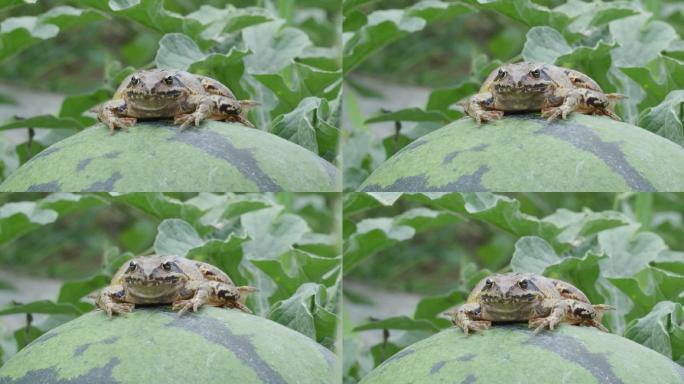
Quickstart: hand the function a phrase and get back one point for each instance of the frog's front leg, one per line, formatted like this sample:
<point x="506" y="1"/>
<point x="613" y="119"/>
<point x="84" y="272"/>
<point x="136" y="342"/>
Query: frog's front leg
<point x="216" y="294"/>
<point x="113" y="114"/>
<point x="571" y="101"/>
<point x="480" y="107"/>
<point x="557" y="314"/>
<point x="467" y="318"/>
<point x="215" y="107"/>
<point x="110" y="300"/>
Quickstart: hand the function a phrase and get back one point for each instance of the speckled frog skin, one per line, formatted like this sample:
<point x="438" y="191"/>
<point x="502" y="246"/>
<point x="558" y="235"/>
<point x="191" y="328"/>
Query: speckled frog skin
<point x="553" y="90"/>
<point x="183" y="96"/>
<point x="514" y="297"/>
<point x="187" y="284"/>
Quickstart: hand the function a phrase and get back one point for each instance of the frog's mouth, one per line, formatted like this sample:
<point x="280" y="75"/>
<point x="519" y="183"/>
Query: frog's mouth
<point x="159" y="281"/>
<point x="153" y="100"/>
<point x="507" y="300"/>
<point x="521" y="89"/>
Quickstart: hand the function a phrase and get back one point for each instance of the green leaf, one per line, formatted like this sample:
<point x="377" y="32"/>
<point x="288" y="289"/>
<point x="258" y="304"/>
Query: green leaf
<point x="660" y="330"/>
<point x="665" y="119"/>
<point x="271" y="232"/>
<point x="26" y="335"/>
<point x="226" y="68"/>
<point x="544" y="45"/>
<point x="299" y="126"/>
<point x="670" y="77"/>
<point x="273" y="46"/>
<point x="42" y="306"/>
<point x="295" y="268"/>
<point x="161" y="206"/>
<point x="410" y="114"/>
<point x="441" y="99"/>
<point x="582" y="272"/>
<point x="386" y="26"/>
<point x="44" y="121"/>
<point x="176" y="237"/>
<point x="525" y="11"/>
<point x="432" y="307"/>
<point x="74" y="106"/>
<point x="373" y="235"/>
<point x="303" y="312"/>
<point x="217" y="22"/>
<point x="225" y="254"/>
<point x="399" y="322"/>
<point x="578" y="226"/>
<point x="19" y="33"/>
<point x="177" y="51"/>
<point x="533" y="254"/>
<point x="628" y="250"/>
<point x="73" y="291"/>
<point x="7" y="4"/>
<point x="150" y="13"/>
<point x="640" y="39"/>
<point x="594" y="62"/>
<point x="648" y="287"/>
<point x="18" y="218"/>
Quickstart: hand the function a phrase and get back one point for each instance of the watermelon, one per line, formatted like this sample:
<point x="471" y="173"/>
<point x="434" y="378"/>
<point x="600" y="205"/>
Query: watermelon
<point x="525" y="153"/>
<point x="158" y="156"/>
<point x="155" y="345"/>
<point x="512" y="354"/>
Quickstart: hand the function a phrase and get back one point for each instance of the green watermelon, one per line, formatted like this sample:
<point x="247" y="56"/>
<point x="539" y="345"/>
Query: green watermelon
<point x="512" y="354"/>
<point x="525" y="153"/>
<point x="155" y="345"/>
<point x="158" y="156"/>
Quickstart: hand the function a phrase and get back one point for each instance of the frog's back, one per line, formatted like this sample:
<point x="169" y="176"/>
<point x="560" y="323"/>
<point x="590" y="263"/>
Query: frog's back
<point x="210" y="272"/>
<point x="580" y="80"/>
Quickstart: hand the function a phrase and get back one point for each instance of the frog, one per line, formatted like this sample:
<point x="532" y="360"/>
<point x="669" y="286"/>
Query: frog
<point x="542" y="301"/>
<point x="165" y="93"/>
<point x="533" y="87"/>
<point x="167" y="279"/>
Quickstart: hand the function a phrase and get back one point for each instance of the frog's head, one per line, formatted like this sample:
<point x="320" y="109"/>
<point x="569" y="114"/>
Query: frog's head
<point x="153" y="276"/>
<point x="510" y="289"/>
<point x="521" y="79"/>
<point x="154" y="89"/>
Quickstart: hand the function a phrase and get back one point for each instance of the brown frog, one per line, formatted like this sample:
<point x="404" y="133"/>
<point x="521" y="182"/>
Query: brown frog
<point x="183" y="96"/>
<point x="186" y="284"/>
<point x="520" y="296"/>
<point x="553" y="90"/>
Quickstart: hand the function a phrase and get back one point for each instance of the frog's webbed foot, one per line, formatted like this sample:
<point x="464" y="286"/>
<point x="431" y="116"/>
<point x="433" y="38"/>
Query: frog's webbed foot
<point x="109" y="298"/>
<point x="200" y="298"/>
<point x="477" y="108"/>
<point x="117" y="308"/>
<point x="465" y="317"/>
<point x="112" y="114"/>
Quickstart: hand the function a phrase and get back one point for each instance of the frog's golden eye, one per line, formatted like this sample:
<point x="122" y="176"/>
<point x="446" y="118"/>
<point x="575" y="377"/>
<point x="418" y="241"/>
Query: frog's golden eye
<point x="535" y="73"/>
<point x="168" y="80"/>
<point x="166" y="265"/>
<point x="500" y="75"/>
<point x="132" y="266"/>
<point x="134" y="80"/>
<point x="524" y="283"/>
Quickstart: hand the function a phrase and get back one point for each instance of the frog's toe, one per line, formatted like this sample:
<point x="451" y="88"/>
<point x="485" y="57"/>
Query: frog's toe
<point x="118" y="308"/>
<point x="485" y="116"/>
<point x="477" y="326"/>
<point x="185" y="120"/>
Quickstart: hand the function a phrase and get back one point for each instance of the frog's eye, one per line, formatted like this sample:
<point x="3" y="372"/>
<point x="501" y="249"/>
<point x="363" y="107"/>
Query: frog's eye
<point x="523" y="283"/>
<point x="168" y="80"/>
<point x="500" y="75"/>
<point x="166" y="265"/>
<point x="535" y="73"/>
<point x="134" y="80"/>
<point x="488" y="283"/>
<point x="132" y="266"/>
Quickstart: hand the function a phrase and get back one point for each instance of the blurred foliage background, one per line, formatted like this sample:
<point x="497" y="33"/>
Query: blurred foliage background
<point x="57" y="249"/>
<point x="282" y="53"/>
<point x="410" y="257"/>
<point x="408" y="63"/>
